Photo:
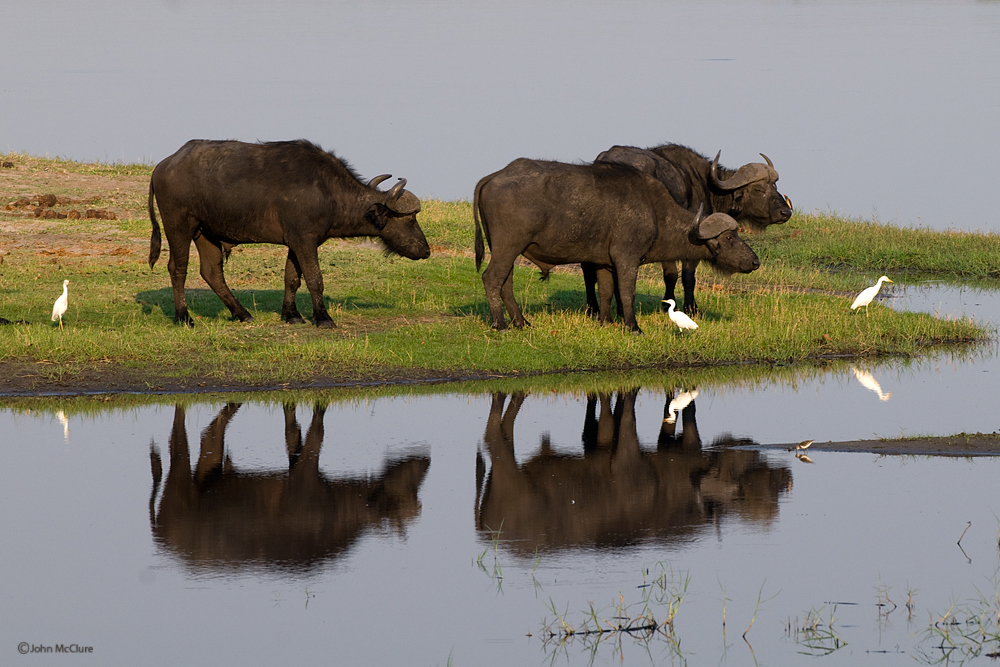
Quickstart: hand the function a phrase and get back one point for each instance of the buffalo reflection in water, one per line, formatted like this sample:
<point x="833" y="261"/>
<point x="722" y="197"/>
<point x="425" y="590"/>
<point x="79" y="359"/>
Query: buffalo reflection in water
<point x="616" y="493"/>
<point x="294" y="519"/>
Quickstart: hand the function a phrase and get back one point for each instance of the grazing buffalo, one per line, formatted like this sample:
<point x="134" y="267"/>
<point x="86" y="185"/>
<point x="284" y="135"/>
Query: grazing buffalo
<point x="749" y="194"/>
<point x="292" y="193"/>
<point x="608" y="214"/>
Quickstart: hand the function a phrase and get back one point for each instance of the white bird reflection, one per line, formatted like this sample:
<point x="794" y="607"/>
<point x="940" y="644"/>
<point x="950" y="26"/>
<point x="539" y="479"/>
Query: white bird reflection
<point x="64" y="420"/>
<point x="678" y="403"/>
<point x="870" y="383"/>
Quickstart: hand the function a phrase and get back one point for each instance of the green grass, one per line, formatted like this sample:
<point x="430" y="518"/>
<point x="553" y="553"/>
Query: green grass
<point x="830" y="252"/>
<point x="401" y="319"/>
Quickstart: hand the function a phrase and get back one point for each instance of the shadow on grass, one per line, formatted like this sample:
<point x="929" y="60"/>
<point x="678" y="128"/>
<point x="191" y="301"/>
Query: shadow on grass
<point x="206" y="304"/>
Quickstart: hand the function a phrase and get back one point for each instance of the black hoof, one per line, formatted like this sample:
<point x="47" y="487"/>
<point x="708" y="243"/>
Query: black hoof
<point x="326" y="324"/>
<point x="295" y="320"/>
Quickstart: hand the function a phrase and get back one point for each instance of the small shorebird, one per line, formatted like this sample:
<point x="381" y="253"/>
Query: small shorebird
<point x="801" y="446"/>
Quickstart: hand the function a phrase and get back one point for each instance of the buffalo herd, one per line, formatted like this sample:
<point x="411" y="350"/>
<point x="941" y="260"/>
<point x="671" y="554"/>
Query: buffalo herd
<point x="631" y="206"/>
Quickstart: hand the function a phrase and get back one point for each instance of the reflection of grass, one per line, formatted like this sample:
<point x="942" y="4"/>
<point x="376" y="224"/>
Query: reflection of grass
<point x="496" y="572"/>
<point x="815" y="636"/>
<point x="965" y="632"/>
<point x="661" y="596"/>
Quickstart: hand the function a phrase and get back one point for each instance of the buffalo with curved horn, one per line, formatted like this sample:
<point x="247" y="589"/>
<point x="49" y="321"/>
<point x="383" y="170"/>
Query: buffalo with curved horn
<point x="219" y="194"/>
<point x="749" y="194"/>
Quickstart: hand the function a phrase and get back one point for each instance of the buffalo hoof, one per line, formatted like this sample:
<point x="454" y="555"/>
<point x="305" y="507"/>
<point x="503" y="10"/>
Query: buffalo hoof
<point x="297" y="319"/>
<point x="246" y="318"/>
<point x="326" y="324"/>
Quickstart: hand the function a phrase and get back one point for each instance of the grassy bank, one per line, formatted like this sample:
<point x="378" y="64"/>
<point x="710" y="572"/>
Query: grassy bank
<point x="415" y="320"/>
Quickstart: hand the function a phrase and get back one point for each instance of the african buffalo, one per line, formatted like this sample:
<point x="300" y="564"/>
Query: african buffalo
<point x="292" y="193"/>
<point x="298" y="518"/>
<point x="749" y="194"/>
<point x="608" y="214"/>
<point x="620" y="491"/>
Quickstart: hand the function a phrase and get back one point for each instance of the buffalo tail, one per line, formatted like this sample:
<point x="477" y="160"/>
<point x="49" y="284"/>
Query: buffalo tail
<point x="154" y="239"/>
<point x="480" y="248"/>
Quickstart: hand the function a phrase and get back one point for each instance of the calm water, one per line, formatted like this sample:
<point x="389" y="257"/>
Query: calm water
<point x="867" y="108"/>
<point x="172" y="535"/>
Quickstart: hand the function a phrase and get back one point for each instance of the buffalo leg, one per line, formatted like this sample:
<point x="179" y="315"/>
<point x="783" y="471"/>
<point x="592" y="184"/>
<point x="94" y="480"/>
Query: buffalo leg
<point x="627" y="276"/>
<point x="606" y="288"/>
<point x="210" y="257"/>
<point x="669" y="282"/>
<point x="177" y="266"/>
<point x="308" y="261"/>
<point x="507" y="294"/>
<point x="590" y="278"/>
<point x="687" y="279"/>
<point x="293" y="279"/>
<point x="498" y="280"/>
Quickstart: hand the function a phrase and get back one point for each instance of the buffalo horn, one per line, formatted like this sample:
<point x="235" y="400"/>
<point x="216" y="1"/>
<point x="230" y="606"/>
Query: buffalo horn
<point x="378" y="179"/>
<point x="716" y="224"/>
<point x="767" y="160"/>
<point x="397" y="189"/>
<point x="745" y="175"/>
<point x="402" y="201"/>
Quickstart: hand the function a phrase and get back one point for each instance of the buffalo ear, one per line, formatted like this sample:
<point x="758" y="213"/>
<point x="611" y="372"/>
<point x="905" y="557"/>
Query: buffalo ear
<point x="716" y="224"/>
<point x="376" y="215"/>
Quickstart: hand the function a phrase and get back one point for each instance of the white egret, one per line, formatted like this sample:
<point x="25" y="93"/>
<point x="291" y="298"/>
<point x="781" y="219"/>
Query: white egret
<point x="61" y="304"/>
<point x="868" y="294"/>
<point x="680" y="319"/>
<point x="678" y="403"/>
<point x="871" y="384"/>
<point x="64" y="420"/>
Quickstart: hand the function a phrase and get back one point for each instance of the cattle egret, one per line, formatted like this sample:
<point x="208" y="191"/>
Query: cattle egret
<point x="678" y="403"/>
<point x="59" y="308"/>
<point x="680" y="319"/>
<point x="64" y="420"/>
<point x="868" y="294"/>
<point x="871" y="384"/>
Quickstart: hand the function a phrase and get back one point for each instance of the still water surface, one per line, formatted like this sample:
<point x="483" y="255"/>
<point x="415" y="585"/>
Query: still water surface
<point x="885" y="109"/>
<point x="361" y="531"/>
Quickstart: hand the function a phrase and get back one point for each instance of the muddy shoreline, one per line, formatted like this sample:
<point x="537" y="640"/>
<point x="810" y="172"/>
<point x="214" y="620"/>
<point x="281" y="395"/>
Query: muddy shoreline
<point x="961" y="445"/>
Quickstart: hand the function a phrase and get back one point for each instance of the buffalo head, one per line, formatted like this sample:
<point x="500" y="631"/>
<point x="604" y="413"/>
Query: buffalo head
<point x="756" y="199"/>
<point x="394" y="214"/>
<point x="730" y="253"/>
